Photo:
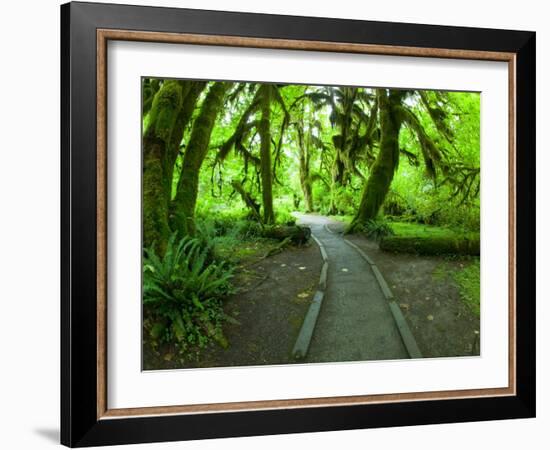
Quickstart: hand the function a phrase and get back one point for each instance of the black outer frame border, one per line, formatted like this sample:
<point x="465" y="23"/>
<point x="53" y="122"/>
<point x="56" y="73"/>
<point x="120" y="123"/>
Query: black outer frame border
<point x="79" y="425"/>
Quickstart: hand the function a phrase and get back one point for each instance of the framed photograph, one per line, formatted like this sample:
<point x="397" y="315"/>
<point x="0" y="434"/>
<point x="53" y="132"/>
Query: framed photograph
<point x="277" y="224"/>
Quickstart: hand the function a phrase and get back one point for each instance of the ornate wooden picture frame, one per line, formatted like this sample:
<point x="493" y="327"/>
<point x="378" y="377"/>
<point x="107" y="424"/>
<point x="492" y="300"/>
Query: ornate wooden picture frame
<point x="86" y="418"/>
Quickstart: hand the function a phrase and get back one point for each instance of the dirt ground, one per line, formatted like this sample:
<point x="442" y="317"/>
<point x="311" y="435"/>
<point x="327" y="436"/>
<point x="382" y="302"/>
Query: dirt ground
<point x="265" y="315"/>
<point x="429" y="299"/>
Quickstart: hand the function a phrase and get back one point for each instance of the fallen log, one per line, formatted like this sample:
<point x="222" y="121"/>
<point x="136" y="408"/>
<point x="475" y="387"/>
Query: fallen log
<point x="430" y="246"/>
<point x="296" y="234"/>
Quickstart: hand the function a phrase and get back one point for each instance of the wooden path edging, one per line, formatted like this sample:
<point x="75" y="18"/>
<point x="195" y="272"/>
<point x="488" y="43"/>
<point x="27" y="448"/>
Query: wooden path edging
<point x="301" y="346"/>
<point x="303" y="341"/>
<point x="406" y="335"/>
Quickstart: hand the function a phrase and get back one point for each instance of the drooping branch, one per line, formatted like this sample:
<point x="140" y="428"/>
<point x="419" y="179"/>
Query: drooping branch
<point x="464" y="181"/>
<point x="431" y="153"/>
<point x="437" y="115"/>
<point x="248" y="200"/>
<point x="244" y="126"/>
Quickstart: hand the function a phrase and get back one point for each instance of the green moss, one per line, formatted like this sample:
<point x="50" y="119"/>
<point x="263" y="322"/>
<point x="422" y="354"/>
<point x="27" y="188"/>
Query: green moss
<point x="265" y="153"/>
<point x="240" y="249"/>
<point x="188" y="184"/>
<point x="430" y="245"/>
<point x="386" y="163"/>
<point x="165" y="109"/>
<point x="409" y="229"/>
<point x="468" y="280"/>
<point x="344" y="218"/>
<point x="441" y="272"/>
<point x="155" y="202"/>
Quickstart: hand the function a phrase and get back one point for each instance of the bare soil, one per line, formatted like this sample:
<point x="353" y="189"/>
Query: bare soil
<point x="428" y="296"/>
<point x="265" y="315"/>
<point x="274" y="294"/>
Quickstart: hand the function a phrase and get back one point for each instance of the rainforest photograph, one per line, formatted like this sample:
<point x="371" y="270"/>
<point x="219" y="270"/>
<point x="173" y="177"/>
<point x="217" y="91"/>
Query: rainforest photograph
<point x="299" y="224"/>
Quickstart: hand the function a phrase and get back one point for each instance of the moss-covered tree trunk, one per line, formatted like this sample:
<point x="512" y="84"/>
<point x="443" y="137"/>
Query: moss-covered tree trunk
<point x="165" y="107"/>
<point x="304" y="159"/>
<point x="183" y="207"/>
<point x="386" y="162"/>
<point x="265" y="153"/>
<point x="191" y="91"/>
<point x="307" y="190"/>
<point x="341" y="163"/>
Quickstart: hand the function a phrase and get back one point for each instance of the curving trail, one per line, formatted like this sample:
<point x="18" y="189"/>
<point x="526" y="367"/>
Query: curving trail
<point x="355" y="322"/>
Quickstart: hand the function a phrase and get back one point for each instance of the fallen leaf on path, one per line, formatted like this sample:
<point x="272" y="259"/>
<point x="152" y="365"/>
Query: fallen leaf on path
<point x="344" y="269"/>
<point x="303" y="294"/>
<point x="302" y="268"/>
<point x="283" y="265"/>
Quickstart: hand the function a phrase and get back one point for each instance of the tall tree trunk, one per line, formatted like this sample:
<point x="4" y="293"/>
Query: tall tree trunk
<point x="304" y="158"/>
<point x="308" y="195"/>
<point x="338" y="170"/>
<point x="165" y="108"/>
<point x="340" y="166"/>
<point x="265" y="153"/>
<point x="386" y="162"/>
<point x="183" y="219"/>
<point x="191" y="91"/>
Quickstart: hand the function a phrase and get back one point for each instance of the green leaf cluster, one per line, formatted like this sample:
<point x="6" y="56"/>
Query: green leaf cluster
<point x="183" y="291"/>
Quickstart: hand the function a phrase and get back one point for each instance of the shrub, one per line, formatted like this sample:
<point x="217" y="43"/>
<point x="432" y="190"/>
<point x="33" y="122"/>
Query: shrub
<point x="376" y="229"/>
<point x="285" y="217"/>
<point x="247" y="229"/>
<point x="345" y="200"/>
<point x="183" y="291"/>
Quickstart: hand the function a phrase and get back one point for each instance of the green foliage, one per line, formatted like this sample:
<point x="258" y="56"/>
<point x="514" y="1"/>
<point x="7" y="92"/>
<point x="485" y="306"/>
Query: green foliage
<point x="183" y="291"/>
<point x="410" y="229"/>
<point x="468" y="280"/>
<point x="376" y="229"/>
<point x="285" y="218"/>
<point x="408" y="159"/>
<point x="344" y="199"/>
<point x="283" y="214"/>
